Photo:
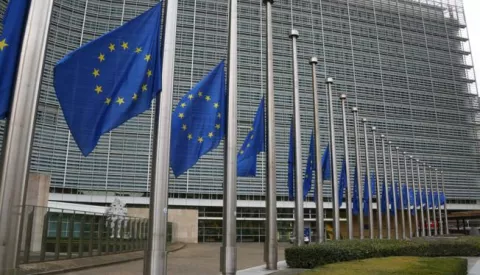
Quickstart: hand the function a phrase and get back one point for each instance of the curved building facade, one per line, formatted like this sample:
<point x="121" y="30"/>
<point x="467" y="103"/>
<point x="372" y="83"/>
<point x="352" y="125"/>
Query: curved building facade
<point x="406" y="64"/>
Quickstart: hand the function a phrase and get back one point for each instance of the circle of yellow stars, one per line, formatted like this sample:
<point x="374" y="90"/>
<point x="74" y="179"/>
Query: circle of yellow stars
<point x="181" y="115"/>
<point x="96" y="73"/>
<point x="248" y="141"/>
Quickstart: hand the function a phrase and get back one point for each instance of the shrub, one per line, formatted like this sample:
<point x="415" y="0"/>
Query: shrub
<point x="346" y="250"/>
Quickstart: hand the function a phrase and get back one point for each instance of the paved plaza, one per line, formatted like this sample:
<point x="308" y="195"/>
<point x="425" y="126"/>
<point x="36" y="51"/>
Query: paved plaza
<point x="194" y="259"/>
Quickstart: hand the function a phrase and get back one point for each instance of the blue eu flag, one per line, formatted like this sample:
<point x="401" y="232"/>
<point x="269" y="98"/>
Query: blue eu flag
<point x="291" y="164"/>
<point x="355" y="199"/>
<point x="442" y="198"/>
<point x="326" y="167"/>
<point x="10" y="47"/>
<point x="393" y="203"/>
<point x="399" y="200"/>
<point x="326" y="164"/>
<point x="254" y="143"/>
<point x="384" y="198"/>
<point x="419" y="193"/>
<point x="366" y="195"/>
<point x="342" y="183"/>
<point x="198" y="122"/>
<point x="404" y="194"/>
<point x="106" y="82"/>
<point x="412" y="202"/>
<point x="307" y="178"/>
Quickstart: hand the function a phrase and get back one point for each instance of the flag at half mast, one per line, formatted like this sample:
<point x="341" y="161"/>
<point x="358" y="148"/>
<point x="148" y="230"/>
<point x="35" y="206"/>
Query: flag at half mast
<point x="109" y="80"/>
<point x="198" y="122"/>
<point x="10" y="46"/>
<point x="254" y="144"/>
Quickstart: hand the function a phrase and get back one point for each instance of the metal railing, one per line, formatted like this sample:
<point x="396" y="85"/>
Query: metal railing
<point x="55" y="234"/>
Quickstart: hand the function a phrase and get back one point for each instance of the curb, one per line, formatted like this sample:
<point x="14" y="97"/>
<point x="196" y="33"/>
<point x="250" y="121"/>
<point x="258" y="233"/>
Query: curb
<point x="181" y="246"/>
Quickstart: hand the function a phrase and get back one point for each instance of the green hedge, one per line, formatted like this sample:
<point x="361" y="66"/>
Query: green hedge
<point x="346" y="250"/>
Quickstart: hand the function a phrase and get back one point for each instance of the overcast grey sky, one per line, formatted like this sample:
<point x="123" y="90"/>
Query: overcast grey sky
<point x="472" y="12"/>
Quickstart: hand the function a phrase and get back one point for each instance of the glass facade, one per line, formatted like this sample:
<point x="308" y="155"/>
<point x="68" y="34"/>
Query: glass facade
<point x="406" y="64"/>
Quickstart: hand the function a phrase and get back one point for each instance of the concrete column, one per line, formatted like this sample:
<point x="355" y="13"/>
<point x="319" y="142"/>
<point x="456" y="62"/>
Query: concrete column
<point x="37" y="201"/>
<point x="184" y="223"/>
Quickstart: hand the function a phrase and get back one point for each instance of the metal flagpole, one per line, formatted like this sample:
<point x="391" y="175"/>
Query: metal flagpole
<point x="228" y="252"/>
<point x="420" y="190"/>
<point x="377" y="183"/>
<point x="435" y="231"/>
<point x="369" y="184"/>
<point x="298" y="144"/>
<point x="447" y="230"/>
<point x="19" y="133"/>
<point x="385" y="177"/>
<point x="359" y="172"/>
<point x="417" y="230"/>
<point x="318" y="157"/>
<point x="440" y="222"/>
<point x="429" y="228"/>
<point x="404" y="236"/>
<point x="156" y="254"/>
<point x="333" y="157"/>
<point x="394" y="197"/>
<point x="343" y="98"/>
<point x="409" y="213"/>
<point x="271" y="245"/>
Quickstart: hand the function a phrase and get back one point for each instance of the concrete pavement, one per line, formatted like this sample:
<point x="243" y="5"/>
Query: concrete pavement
<point x="473" y="265"/>
<point x="194" y="259"/>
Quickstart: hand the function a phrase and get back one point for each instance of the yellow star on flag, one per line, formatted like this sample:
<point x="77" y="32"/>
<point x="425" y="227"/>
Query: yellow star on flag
<point x="3" y="44"/>
<point x="135" y="97"/>
<point x="125" y="45"/>
<point x="219" y="115"/>
<point x="138" y="50"/>
<point x="96" y="72"/>
<point x="149" y="73"/>
<point x="144" y="87"/>
<point x="190" y="136"/>
<point x="184" y="127"/>
<point x="190" y="97"/>
<point x="248" y="145"/>
<point x="101" y="57"/>
<point x="183" y="105"/>
<point x="200" y="94"/>
<point x="200" y="140"/>
<point x="111" y="47"/>
<point x="251" y="137"/>
<point x="147" y="57"/>
<point x="108" y="100"/>
<point x="120" y="100"/>
<point x="210" y="135"/>
<point x="98" y="89"/>
<point x="241" y="152"/>
<point x="217" y="126"/>
<point x="181" y="115"/>
<point x="215" y="105"/>
<point x="207" y="98"/>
